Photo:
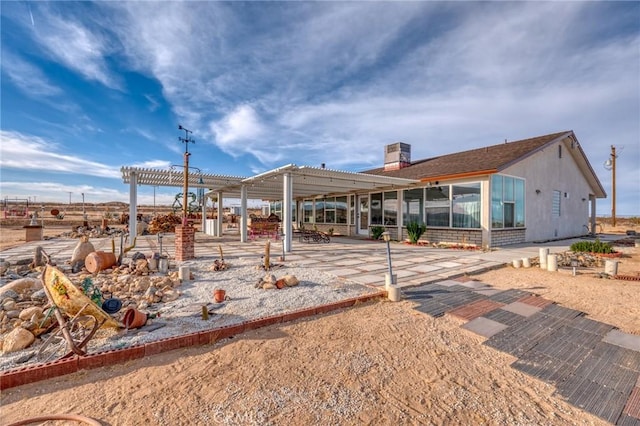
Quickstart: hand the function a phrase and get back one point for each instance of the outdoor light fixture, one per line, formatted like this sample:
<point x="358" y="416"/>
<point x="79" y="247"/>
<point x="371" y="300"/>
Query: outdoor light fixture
<point x="574" y="265"/>
<point x="393" y="292"/>
<point x="386" y="236"/>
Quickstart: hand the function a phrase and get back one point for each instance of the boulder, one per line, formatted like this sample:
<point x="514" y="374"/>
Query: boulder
<point x="291" y="280"/>
<point x="21" y="286"/>
<point x="82" y="250"/>
<point x="17" y="339"/>
<point x="27" y="313"/>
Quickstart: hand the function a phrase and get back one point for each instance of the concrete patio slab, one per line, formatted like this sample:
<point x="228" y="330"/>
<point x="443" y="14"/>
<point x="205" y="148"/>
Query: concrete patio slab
<point x="424" y="268"/>
<point x="522" y="309"/>
<point x="484" y="327"/>
<point x="448" y="264"/>
<point x="625" y="340"/>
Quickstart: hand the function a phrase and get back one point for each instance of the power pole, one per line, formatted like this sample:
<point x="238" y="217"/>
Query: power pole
<point x="185" y="186"/>
<point x="610" y="164"/>
<point x="613" y="184"/>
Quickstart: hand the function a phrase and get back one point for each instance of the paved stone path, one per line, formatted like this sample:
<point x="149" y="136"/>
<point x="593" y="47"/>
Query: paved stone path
<point x="593" y="365"/>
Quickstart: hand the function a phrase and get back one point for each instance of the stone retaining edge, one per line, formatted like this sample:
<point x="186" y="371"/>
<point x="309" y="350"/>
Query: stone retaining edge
<point x="36" y="373"/>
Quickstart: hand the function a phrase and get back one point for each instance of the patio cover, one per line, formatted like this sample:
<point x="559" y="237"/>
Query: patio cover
<point x="285" y="183"/>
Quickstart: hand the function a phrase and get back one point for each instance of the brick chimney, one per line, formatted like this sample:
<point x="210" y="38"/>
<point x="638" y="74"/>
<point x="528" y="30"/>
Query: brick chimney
<point x="397" y="156"/>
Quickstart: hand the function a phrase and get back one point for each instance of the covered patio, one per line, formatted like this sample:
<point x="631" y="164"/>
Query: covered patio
<point x="287" y="183"/>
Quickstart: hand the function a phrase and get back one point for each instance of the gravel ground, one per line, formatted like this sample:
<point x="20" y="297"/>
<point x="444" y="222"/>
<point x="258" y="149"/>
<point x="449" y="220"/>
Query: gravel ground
<point x="245" y="302"/>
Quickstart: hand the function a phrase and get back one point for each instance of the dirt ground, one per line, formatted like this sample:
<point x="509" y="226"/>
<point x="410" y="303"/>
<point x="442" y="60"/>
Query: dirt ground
<point x="375" y="363"/>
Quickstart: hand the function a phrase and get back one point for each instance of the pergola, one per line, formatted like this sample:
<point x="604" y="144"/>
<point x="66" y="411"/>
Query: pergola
<point x="286" y="183"/>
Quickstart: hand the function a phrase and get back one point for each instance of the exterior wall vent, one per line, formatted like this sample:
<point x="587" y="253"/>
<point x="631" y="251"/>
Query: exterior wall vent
<point x="397" y="156"/>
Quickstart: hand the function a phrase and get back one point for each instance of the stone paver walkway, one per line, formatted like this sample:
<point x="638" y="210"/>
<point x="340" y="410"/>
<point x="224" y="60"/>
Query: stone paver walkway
<point x="593" y="365"/>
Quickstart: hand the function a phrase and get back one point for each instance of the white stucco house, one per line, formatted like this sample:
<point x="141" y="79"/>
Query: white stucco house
<point x="537" y="189"/>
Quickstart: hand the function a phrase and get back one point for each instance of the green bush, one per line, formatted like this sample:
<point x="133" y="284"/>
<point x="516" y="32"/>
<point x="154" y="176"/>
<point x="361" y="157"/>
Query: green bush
<point x="376" y="232"/>
<point x="592" y="247"/>
<point x="415" y="231"/>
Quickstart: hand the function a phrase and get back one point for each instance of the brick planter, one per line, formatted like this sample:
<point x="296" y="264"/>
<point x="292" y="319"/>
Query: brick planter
<point x="185" y="238"/>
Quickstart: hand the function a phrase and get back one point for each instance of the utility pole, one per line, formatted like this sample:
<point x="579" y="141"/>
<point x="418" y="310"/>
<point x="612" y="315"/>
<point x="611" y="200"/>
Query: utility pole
<point x="613" y="184"/>
<point x="610" y="164"/>
<point x="185" y="187"/>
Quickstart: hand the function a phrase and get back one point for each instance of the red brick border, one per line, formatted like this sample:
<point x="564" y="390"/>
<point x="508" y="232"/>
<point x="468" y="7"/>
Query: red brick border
<point x="475" y="309"/>
<point x="36" y="373"/>
<point x="537" y="301"/>
<point x="632" y="407"/>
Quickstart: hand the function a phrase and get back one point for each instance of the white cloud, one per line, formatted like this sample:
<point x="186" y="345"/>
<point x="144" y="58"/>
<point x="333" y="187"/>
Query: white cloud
<point x="27" y="77"/>
<point x="26" y="152"/>
<point x="75" y="46"/>
<point x="239" y="131"/>
<point x="153" y="164"/>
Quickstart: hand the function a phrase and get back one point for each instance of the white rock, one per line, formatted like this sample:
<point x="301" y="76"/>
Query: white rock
<point x="170" y="296"/>
<point x="291" y="280"/>
<point x="27" y="313"/>
<point x="21" y="286"/>
<point x="82" y="250"/>
<point x="9" y="305"/>
<point x="17" y="339"/>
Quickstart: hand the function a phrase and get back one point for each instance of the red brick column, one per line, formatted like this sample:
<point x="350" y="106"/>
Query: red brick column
<point x="185" y="238"/>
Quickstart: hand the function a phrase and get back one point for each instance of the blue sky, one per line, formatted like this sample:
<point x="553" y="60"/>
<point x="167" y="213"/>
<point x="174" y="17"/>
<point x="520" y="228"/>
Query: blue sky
<point x="90" y="87"/>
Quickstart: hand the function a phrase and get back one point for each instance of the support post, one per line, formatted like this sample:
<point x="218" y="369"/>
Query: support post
<point x="220" y="216"/>
<point x="133" y="204"/>
<point x="287" y="203"/>
<point x="243" y="214"/>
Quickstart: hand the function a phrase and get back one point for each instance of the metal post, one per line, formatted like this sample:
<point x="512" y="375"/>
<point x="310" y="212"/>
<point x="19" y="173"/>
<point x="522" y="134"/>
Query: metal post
<point x="185" y="186"/>
<point x="389" y="259"/>
<point x="387" y="237"/>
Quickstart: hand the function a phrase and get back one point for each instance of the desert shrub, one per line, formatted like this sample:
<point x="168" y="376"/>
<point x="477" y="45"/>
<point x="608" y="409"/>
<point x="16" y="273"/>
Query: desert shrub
<point x="415" y="231"/>
<point x="376" y="232"/>
<point x="596" y="246"/>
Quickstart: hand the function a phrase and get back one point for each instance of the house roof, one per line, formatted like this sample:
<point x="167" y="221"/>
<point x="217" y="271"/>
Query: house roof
<point x="306" y="182"/>
<point x="488" y="160"/>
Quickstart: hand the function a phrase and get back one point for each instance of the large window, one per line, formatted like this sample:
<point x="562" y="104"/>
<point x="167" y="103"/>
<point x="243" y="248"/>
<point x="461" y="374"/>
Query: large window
<point x="331" y="210"/>
<point x="507" y="202"/>
<point x="376" y="208"/>
<point x="391" y="208"/>
<point x="307" y="209"/>
<point x="465" y="205"/>
<point x="413" y="200"/>
<point x="384" y="208"/>
<point x="438" y="206"/>
<point x="341" y="209"/>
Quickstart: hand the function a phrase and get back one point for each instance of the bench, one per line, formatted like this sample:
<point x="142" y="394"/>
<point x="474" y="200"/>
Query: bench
<point x="313" y="237"/>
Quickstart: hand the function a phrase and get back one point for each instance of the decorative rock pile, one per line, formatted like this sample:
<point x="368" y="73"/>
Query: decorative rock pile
<point x="270" y="282"/>
<point x="585" y="260"/>
<point x="24" y="304"/>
